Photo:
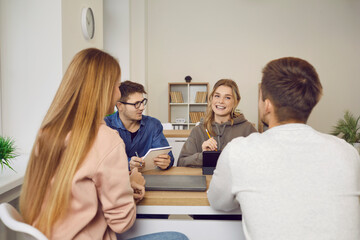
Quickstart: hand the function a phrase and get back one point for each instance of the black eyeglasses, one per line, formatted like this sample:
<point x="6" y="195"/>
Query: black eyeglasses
<point x="137" y="104"/>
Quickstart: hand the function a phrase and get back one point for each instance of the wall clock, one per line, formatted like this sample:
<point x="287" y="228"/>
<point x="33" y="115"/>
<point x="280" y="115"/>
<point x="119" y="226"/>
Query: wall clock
<point x="88" y="23"/>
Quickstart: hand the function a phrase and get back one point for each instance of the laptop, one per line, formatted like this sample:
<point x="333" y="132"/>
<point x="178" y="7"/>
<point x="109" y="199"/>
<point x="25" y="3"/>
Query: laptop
<point x="209" y="161"/>
<point x="175" y="183"/>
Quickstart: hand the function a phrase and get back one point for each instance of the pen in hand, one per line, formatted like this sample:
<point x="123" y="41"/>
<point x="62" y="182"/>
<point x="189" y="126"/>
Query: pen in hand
<point x="137" y="155"/>
<point x="209" y="135"/>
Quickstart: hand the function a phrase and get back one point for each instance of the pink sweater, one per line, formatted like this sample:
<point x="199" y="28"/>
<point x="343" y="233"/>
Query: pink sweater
<point x="102" y="199"/>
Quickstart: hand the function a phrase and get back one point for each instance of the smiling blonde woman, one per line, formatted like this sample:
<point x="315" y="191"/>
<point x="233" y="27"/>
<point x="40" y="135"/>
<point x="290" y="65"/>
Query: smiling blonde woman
<point x="220" y="125"/>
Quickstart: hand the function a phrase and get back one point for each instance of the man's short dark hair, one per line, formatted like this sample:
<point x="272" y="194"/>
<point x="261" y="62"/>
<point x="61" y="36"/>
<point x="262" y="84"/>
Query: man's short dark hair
<point x="293" y="86"/>
<point x="128" y="87"/>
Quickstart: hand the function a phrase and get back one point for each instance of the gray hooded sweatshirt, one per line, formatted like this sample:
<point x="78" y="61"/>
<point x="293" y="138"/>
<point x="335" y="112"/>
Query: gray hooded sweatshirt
<point x="191" y="152"/>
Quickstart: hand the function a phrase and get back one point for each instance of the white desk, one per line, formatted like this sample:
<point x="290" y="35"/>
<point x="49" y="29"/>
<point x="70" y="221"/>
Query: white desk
<point x="183" y="203"/>
<point x="10" y="181"/>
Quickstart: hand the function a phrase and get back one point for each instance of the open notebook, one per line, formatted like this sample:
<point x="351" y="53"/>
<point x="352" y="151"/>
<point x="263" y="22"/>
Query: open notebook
<point x="153" y="153"/>
<point x="175" y="183"/>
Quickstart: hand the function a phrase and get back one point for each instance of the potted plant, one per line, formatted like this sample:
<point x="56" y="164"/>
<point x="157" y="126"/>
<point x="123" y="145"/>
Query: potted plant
<point x="348" y="128"/>
<point x="7" y="152"/>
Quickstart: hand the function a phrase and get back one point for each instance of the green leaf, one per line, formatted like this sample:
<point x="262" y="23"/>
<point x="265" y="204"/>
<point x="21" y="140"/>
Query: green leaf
<point x="7" y="152"/>
<point x="348" y="128"/>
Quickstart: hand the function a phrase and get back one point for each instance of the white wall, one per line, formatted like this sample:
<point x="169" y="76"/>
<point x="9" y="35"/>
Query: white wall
<point x="138" y="42"/>
<point x="1" y="95"/>
<point x="211" y="39"/>
<point x="31" y="52"/>
<point x="37" y="39"/>
<point x="125" y="28"/>
<point x="72" y="36"/>
<point x="117" y="33"/>
<point x="125" y="24"/>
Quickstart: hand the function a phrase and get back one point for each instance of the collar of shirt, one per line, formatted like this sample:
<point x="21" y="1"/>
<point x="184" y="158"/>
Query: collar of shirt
<point x="119" y="123"/>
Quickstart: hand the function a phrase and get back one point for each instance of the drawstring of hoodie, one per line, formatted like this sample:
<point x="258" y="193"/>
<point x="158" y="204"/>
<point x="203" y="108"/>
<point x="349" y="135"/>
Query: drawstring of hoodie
<point x="219" y="134"/>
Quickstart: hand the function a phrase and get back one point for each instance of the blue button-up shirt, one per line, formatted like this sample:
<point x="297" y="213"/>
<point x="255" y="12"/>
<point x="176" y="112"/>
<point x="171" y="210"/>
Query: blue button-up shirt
<point x="150" y="135"/>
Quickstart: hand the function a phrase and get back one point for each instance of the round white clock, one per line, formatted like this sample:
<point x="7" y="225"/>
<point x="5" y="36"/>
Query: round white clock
<point x="88" y="23"/>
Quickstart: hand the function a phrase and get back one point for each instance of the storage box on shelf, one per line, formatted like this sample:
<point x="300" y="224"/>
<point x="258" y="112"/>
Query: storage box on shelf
<point x="187" y="103"/>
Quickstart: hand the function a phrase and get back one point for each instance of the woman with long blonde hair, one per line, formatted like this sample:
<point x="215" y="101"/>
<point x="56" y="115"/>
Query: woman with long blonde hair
<point x="77" y="182"/>
<point x="220" y="125"/>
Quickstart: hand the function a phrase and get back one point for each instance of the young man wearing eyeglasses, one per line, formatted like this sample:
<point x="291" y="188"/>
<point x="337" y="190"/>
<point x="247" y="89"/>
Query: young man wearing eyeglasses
<point x="139" y="132"/>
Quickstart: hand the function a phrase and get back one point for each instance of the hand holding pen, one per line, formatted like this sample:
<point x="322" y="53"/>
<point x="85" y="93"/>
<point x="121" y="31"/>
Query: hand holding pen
<point x="136" y="162"/>
<point x="210" y="144"/>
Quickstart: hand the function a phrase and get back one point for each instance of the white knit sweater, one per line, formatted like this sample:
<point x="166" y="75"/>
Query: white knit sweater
<point x="292" y="182"/>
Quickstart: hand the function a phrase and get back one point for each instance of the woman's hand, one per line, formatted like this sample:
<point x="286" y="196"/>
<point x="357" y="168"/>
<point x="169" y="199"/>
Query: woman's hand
<point x="209" y="145"/>
<point x="136" y="162"/>
<point x="136" y="176"/>
<point x="137" y="182"/>
<point x="139" y="191"/>
<point x="162" y="161"/>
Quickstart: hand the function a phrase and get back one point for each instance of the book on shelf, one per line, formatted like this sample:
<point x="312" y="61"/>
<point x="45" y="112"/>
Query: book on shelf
<point x="200" y="97"/>
<point x="196" y="116"/>
<point x="176" y="97"/>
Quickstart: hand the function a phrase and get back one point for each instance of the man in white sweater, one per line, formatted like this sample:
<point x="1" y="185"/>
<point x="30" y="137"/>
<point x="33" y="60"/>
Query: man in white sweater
<point x="291" y="181"/>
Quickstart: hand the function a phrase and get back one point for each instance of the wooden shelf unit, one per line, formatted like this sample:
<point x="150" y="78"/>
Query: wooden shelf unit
<point x="190" y="92"/>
